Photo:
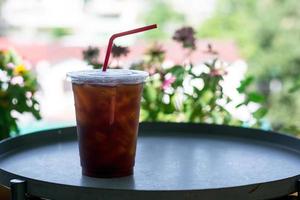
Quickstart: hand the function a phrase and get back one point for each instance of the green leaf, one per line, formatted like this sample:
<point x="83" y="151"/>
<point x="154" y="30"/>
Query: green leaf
<point x="207" y="96"/>
<point x="241" y="104"/>
<point x="255" y="97"/>
<point x="149" y="93"/>
<point x="168" y="108"/>
<point x="245" y="84"/>
<point x="260" y="113"/>
<point x="294" y="88"/>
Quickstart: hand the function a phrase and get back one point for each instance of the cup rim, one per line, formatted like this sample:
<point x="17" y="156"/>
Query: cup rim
<point x="109" y="77"/>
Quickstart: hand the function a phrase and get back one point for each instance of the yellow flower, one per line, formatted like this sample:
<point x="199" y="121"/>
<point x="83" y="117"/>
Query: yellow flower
<point x="20" y="69"/>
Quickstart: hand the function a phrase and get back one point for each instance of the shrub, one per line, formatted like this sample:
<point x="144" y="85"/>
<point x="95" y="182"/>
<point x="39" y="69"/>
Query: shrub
<point x="17" y="92"/>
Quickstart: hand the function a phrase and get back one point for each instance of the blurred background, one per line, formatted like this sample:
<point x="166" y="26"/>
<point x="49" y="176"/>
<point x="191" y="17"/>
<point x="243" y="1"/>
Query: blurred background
<point x="259" y="38"/>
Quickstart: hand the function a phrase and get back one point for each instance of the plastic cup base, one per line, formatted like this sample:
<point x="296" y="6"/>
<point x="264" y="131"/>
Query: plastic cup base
<point x="106" y="174"/>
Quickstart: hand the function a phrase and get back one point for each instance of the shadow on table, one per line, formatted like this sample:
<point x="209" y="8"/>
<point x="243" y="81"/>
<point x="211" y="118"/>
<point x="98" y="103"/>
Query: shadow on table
<point x="127" y="182"/>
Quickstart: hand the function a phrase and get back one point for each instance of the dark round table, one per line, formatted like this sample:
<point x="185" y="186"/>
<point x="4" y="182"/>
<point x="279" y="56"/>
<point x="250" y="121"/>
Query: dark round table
<point x="174" y="161"/>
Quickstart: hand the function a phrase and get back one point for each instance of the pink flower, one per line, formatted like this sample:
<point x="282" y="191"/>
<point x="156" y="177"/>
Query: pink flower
<point x="152" y="71"/>
<point x="10" y="65"/>
<point x="168" y="82"/>
<point x="218" y="72"/>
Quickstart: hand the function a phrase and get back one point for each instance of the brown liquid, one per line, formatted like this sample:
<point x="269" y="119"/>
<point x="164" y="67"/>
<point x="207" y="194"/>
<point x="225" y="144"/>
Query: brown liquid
<point x="107" y="125"/>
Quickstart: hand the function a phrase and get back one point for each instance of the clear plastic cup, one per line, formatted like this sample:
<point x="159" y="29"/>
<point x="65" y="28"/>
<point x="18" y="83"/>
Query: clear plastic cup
<point x="107" y="106"/>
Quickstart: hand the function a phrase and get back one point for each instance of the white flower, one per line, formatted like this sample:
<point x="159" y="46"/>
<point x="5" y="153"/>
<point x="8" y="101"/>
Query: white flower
<point x="3" y="76"/>
<point x="17" y="80"/>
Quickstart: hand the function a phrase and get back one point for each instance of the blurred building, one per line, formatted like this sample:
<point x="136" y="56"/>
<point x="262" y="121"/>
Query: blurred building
<point x="87" y="21"/>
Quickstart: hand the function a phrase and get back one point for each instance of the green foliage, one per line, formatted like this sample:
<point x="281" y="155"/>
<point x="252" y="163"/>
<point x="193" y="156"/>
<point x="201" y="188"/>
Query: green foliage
<point x="295" y="87"/>
<point x="17" y="88"/>
<point x="161" y="13"/>
<point x="268" y="34"/>
<point x="59" y="32"/>
<point x="231" y="21"/>
<point x="166" y="98"/>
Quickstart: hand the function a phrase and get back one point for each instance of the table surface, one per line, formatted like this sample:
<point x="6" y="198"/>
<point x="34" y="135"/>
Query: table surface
<point x="170" y="158"/>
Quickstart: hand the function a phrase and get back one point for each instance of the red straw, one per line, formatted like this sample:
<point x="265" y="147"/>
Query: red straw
<point x="114" y="36"/>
